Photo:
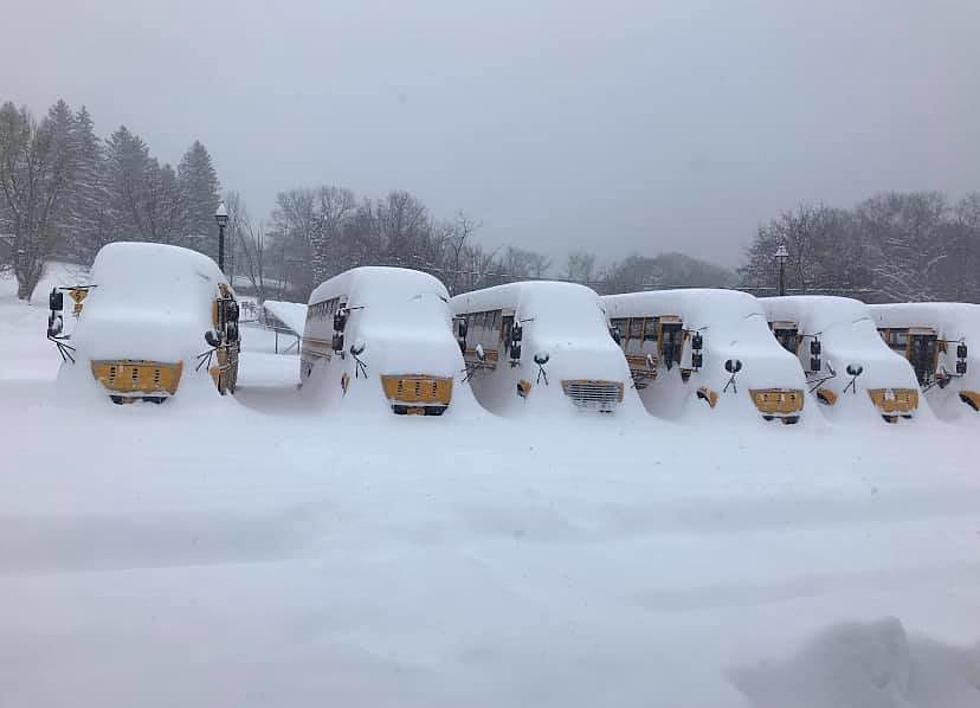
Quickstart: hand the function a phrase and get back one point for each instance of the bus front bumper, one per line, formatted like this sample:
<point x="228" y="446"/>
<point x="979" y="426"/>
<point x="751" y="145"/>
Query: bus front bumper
<point x="417" y="394"/>
<point x="130" y="379"/>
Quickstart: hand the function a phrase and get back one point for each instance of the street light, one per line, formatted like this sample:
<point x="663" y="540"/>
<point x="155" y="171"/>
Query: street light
<point x="221" y="216"/>
<point x="780" y="255"/>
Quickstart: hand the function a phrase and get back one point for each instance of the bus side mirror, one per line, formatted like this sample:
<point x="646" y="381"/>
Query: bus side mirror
<point x="733" y="366"/>
<point x="357" y="348"/>
<point x="337" y="342"/>
<point x="55" y="324"/>
<point x="815" y="347"/>
<point x="480" y="354"/>
<point x="961" y="367"/>
<point x="697" y="360"/>
<point x="854" y="370"/>
<point x="541" y="358"/>
<point x="212" y="338"/>
<point x="815" y="364"/>
<point x="462" y="328"/>
<point x="231" y="311"/>
<point x="961" y="351"/>
<point x="697" y="342"/>
<point x="232" y="331"/>
<point x="56" y="300"/>
<point x="616" y="335"/>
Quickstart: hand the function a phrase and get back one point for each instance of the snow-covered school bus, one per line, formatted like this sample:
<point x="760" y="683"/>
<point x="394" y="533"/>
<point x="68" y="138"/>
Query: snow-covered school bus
<point x="939" y="340"/>
<point x="378" y="336"/>
<point x="848" y="367"/>
<point x="153" y="319"/>
<point x="704" y="348"/>
<point x="540" y="346"/>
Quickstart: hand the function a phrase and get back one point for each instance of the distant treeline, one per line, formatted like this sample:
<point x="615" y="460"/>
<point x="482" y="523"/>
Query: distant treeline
<point x="65" y="192"/>
<point x="316" y="233"/>
<point x="894" y="247"/>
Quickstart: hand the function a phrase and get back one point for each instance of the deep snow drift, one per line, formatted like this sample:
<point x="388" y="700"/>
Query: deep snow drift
<point x="256" y="551"/>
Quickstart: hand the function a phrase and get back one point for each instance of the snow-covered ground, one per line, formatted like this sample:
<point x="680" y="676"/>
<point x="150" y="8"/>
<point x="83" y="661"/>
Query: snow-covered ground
<point x="258" y="552"/>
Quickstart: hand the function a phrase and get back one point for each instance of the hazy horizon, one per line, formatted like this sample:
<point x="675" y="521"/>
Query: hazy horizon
<point x="626" y="127"/>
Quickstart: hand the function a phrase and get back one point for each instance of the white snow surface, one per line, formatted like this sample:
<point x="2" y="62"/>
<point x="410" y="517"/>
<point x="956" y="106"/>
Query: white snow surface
<point x="254" y="551"/>
<point x="848" y="336"/>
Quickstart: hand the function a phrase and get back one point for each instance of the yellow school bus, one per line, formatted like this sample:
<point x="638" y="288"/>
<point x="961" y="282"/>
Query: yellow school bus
<point x="151" y="320"/>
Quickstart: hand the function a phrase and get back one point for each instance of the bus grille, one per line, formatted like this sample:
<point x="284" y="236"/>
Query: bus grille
<point x="595" y="395"/>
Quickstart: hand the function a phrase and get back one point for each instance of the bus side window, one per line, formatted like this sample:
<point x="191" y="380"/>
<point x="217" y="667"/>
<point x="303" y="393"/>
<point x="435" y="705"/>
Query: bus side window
<point x="650" y="333"/>
<point x="636" y="328"/>
<point x="620" y="326"/>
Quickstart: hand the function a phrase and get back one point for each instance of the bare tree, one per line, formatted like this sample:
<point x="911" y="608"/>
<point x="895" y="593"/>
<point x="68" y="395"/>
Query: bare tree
<point x="260" y="254"/>
<point x="907" y="243"/>
<point x="455" y="239"/>
<point x="580" y="267"/>
<point x="37" y="167"/>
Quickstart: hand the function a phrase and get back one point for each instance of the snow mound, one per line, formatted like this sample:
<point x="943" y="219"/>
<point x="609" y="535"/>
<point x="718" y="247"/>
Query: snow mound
<point x="866" y="665"/>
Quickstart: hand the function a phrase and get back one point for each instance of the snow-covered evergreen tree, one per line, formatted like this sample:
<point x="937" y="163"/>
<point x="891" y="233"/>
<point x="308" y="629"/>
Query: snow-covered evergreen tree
<point x="88" y="228"/>
<point x="127" y="168"/>
<point x="200" y="194"/>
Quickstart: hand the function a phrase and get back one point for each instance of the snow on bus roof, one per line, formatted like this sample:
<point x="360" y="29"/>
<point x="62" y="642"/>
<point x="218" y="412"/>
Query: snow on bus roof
<point x="151" y="269"/>
<point x="847" y="330"/>
<point x="378" y="283"/>
<point x="512" y="295"/>
<point x="151" y="301"/>
<point x="955" y="319"/>
<point x="699" y="307"/>
<point x="820" y="312"/>
<point x="558" y="308"/>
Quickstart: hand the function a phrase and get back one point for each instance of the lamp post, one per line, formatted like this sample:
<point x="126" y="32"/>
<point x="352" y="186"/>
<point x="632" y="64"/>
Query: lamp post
<point x="780" y="255"/>
<point x="221" y="216"/>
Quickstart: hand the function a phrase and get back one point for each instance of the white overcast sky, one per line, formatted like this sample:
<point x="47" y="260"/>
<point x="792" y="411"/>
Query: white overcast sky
<point x="611" y="126"/>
